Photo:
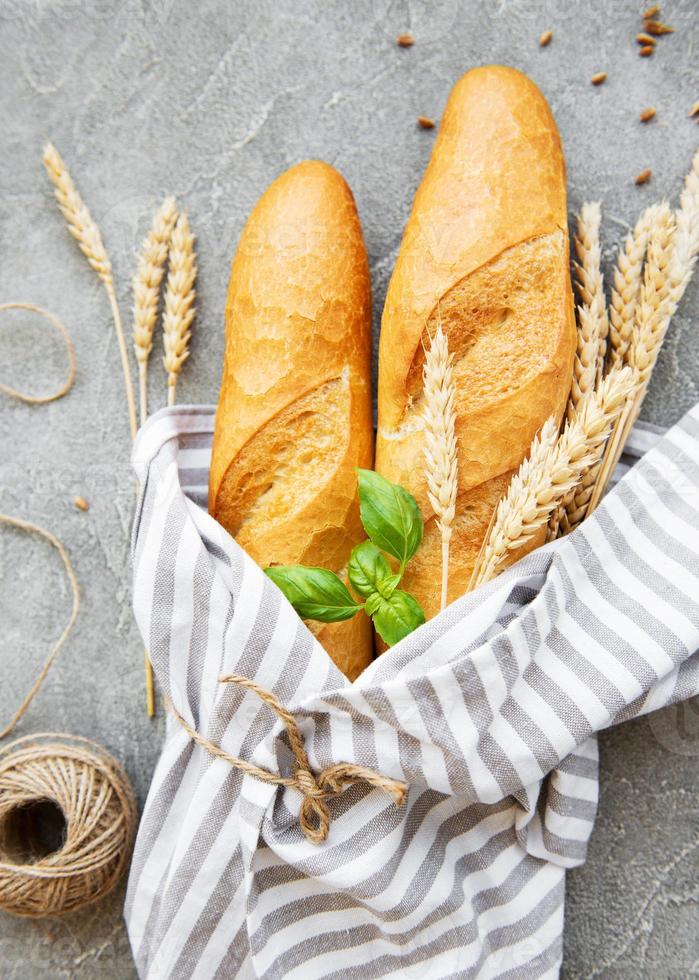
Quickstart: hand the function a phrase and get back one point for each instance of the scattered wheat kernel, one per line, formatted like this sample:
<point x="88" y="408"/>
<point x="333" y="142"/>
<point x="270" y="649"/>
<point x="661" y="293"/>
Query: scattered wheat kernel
<point x="651" y="12"/>
<point x="656" y="28"/>
<point x="424" y="122"/>
<point x="694" y="111"/>
<point x="599" y="78"/>
<point x="645" y="39"/>
<point x="81" y="503"/>
<point x="546" y="38"/>
<point x="405" y="40"/>
<point x="643" y="177"/>
<point x="646" y="51"/>
<point x="647" y="114"/>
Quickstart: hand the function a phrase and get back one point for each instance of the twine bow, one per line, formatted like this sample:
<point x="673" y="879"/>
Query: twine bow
<point x="316" y="788"/>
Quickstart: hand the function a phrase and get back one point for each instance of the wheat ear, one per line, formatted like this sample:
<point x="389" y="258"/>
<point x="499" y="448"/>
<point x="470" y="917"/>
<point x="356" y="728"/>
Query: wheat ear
<point x="627" y="278"/>
<point x="87" y="235"/>
<point x="590" y="328"/>
<point x="656" y="304"/>
<point x="686" y="247"/>
<point x="553" y="468"/>
<point x="593" y="327"/>
<point x="589" y="280"/>
<point x="179" y="302"/>
<point x="576" y="506"/>
<point x="439" y="419"/>
<point x="146" y="291"/>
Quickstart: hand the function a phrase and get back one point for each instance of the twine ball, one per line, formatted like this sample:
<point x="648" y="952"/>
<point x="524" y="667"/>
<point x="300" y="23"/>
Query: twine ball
<point x="67" y="824"/>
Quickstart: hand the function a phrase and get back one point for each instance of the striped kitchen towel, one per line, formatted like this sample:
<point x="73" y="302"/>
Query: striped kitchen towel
<point x="488" y="712"/>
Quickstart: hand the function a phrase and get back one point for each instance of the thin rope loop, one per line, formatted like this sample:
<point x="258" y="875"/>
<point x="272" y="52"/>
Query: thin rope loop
<point x="316" y="788"/>
<point x="32" y="528"/>
<point x="62" y="330"/>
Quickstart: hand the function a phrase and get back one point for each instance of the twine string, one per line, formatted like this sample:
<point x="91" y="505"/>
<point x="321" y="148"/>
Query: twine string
<point x="32" y="528"/>
<point x="315" y="788"/>
<point x="62" y="330"/>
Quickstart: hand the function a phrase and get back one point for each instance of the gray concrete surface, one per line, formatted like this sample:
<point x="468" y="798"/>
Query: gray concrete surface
<point x="210" y="101"/>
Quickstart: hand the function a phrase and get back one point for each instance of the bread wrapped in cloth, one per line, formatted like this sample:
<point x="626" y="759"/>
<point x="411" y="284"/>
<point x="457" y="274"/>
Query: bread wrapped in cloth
<point x="294" y="412"/>
<point x="486" y="251"/>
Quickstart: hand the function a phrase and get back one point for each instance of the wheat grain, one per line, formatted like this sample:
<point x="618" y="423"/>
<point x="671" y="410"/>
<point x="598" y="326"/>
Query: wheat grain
<point x="553" y="468"/>
<point x="146" y="291"/>
<point x="87" y="235"/>
<point x="440" y="449"/>
<point x="627" y="278"/>
<point x="179" y="302"/>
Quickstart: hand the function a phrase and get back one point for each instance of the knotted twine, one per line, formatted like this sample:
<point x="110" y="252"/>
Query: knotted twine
<point x="316" y="788"/>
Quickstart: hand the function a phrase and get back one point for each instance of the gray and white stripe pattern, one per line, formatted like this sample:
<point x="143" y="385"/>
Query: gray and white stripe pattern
<point x="488" y="712"/>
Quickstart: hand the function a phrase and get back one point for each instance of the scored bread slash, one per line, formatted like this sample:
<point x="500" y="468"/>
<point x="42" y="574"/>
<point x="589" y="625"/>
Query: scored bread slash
<point x="81" y="503"/>
<point x="424" y="122"/>
<point x="643" y="177"/>
<point x="545" y="39"/>
<point x="599" y="78"/>
<point x="647" y="114"/>
<point x="646" y="39"/>
<point x="651" y="12"/>
<point x="405" y="40"/>
<point x="646" y="51"/>
<point x="657" y="28"/>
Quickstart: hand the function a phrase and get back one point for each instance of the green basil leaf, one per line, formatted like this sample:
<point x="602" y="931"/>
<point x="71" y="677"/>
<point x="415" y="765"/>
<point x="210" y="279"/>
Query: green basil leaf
<point x="315" y="593"/>
<point x="367" y="567"/>
<point x="388" y="586"/>
<point x="373" y="603"/>
<point x="397" y="616"/>
<point x="390" y="515"/>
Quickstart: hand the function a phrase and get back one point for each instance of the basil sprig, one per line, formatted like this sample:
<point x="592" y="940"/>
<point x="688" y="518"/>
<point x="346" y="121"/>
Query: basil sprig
<point x="392" y="519"/>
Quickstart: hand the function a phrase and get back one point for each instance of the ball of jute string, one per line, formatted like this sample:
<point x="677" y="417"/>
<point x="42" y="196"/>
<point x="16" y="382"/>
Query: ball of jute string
<point x="63" y="783"/>
<point x="91" y="794"/>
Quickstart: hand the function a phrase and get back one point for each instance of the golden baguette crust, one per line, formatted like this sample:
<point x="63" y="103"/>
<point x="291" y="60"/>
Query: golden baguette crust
<point x="294" y="412"/>
<point x="485" y="249"/>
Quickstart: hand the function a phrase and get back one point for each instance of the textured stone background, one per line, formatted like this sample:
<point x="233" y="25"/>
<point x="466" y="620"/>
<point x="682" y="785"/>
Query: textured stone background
<point x="210" y="101"/>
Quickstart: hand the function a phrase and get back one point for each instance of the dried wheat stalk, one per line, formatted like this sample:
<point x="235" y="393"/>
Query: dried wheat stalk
<point x="179" y="302"/>
<point x="687" y="235"/>
<point x="589" y="281"/>
<point x="87" y="235"/>
<point x="576" y="506"/>
<point x="664" y="280"/>
<point x="627" y="286"/>
<point x="146" y="291"/>
<point x="592" y="328"/>
<point x="554" y="468"/>
<point x="440" y="443"/>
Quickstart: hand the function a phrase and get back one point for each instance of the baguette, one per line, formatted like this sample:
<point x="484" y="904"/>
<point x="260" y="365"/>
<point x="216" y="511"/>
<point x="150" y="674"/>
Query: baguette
<point x="294" y="413"/>
<point x="486" y="251"/>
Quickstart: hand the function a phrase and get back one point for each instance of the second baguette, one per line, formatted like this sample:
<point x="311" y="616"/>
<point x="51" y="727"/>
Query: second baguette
<point x="485" y="252"/>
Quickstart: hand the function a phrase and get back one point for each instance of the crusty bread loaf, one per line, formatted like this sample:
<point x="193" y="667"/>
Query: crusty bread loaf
<point x="294" y="413"/>
<point x="485" y="249"/>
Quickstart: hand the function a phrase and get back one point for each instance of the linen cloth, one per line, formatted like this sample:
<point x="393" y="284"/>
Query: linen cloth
<point x="488" y="712"/>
